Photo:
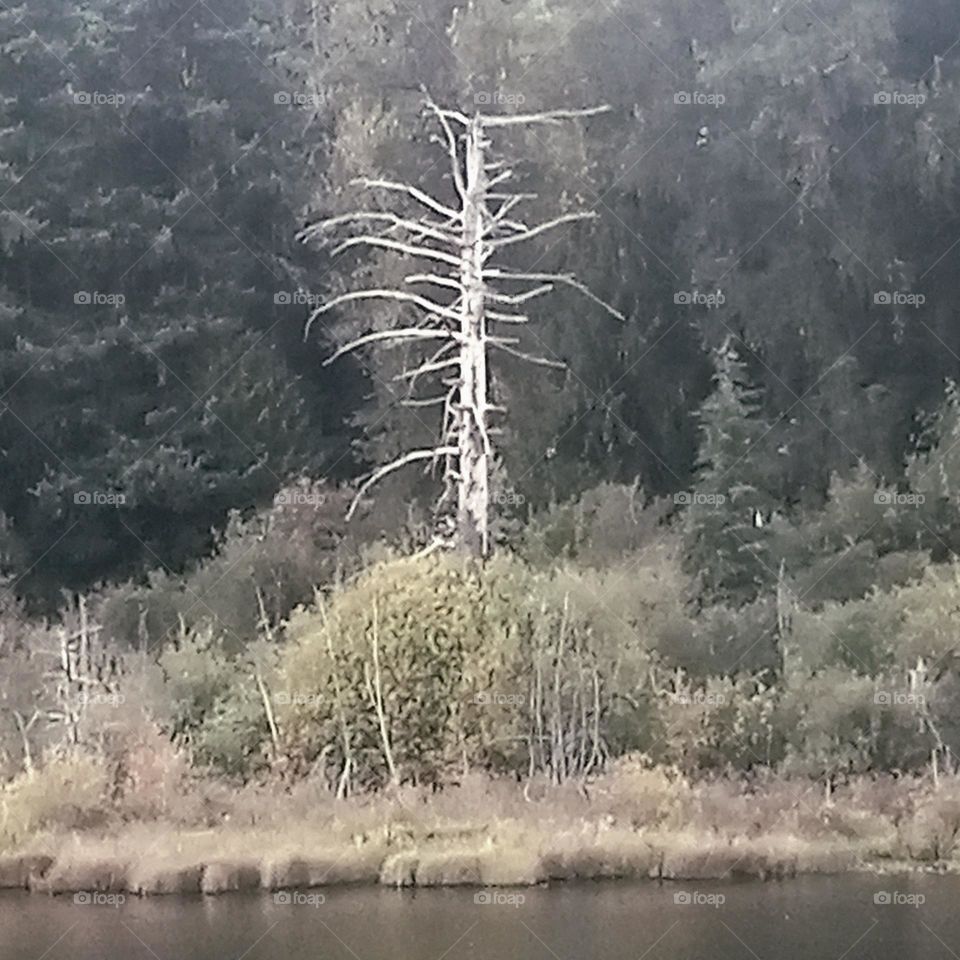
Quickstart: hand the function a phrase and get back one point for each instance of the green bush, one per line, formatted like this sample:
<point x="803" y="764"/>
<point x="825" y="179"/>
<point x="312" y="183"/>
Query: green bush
<point x="832" y="721"/>
<point x="721" y="725"/>
<point x="932" y="832"/>
<point x="496" y="666"/>
<point x="263" y="567"/>
<point x="218" y="709"/>
<point x="602" y="526"/>
<point x="426" y="642"/>
<point x="65" y="793"/>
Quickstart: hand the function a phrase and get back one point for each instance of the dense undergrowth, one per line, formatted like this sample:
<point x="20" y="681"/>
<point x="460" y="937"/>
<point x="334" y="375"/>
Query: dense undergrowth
<point x="304" y="657"/>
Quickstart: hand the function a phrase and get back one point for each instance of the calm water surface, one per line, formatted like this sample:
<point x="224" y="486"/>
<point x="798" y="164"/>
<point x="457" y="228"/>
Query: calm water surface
<point x="806" y="919"/>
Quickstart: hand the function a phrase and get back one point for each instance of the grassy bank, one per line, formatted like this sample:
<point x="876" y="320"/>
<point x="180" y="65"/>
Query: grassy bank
<point x="632" y="823"/>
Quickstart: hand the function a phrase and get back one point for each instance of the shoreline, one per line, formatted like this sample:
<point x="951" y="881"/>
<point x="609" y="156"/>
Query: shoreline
<point x="87" y="864"/>
<point x="636" y="824"/>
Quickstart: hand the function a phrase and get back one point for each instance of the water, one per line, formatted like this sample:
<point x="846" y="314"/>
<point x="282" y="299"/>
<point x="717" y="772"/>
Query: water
<point x="805" y="919"/>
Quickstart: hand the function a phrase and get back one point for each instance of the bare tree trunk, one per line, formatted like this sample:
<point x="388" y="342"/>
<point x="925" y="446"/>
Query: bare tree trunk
<point x="375" y="692"/>
<point x="344" y="784"/>
<point x="460" y="243"/>
<point x="24" y="726"/>
<point x="268" y="711"/>
<point x="473" y="493"/>
<point x="557" y="731"/>
<point x="536" y="756"/>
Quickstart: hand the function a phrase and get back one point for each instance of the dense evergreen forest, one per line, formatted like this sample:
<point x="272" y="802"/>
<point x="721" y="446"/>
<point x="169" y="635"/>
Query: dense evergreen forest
<point x="734" y="485"/>
<point x="785" y="189"/>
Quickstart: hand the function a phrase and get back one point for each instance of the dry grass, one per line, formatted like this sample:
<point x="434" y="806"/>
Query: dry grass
<point x="70" y="794"/>
<point x="634" y="822"/>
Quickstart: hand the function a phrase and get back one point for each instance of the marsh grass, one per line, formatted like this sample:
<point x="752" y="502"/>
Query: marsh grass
<point x="630" y="823"/>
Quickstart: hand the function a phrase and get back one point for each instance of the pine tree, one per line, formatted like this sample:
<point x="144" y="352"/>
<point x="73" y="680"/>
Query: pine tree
<point x="933" y="476"/>
<point x="726" y="523"/>
<point x="147" y="224"/>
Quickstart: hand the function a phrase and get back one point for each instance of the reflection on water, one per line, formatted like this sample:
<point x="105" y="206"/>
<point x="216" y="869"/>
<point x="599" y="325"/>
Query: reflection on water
<point x="885" y="918"/>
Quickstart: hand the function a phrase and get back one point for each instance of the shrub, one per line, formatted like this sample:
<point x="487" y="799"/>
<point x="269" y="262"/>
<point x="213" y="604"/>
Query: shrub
<point x="721" y="640"/>
<point x="498" y="666"/>
<point x="65" y="793"/>
<point x="723" y="724"/>
<point x="638" y="794"/>
<point x="262" y="568"/>
<point x="933" y="831"/>
<point x="405" y="666"/>
<point x="150" y="773"/>
<point x="603" y="525"/>
<point x="26" y="699"/>
<point x="219" y="713"/>
<point x="859" y="635"/>
<point x="831" y="719"/>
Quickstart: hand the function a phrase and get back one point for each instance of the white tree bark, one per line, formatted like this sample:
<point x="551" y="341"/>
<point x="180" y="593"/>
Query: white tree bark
<point x="473" y="487"/>
<point x="462" y="243"/>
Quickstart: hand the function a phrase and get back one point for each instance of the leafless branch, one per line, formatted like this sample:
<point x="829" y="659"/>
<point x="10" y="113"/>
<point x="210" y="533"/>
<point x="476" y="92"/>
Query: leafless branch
<point x="516" y="299"/>
<point x="547" y="116"/>
<point x="543" y="227"/>
<point x="414" y="192"/>
<point x="529" y="357"/>
<point x="401" y="296"/>
<point x="498" y="273"/>
<point x="431" y="366"/>
<point x="433" y="453"/>
<point x="425" y="401"/>
<point x="444" y="116"/>
<point x="414" y="226"/>
<point x="443" y="113"/>
<point x="427" y="253"/>
<point x="400" y="333"/>
<point x="436" y="280"/>
<point x="500" y="177"/>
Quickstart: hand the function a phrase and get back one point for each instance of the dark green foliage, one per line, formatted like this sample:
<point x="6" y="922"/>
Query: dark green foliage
<point x="732" y="504"/>
<point x="167" y="154"/>
<point x="262" y="568"/>
<point x="770" y="381"/>
<point x="148" y="378"/>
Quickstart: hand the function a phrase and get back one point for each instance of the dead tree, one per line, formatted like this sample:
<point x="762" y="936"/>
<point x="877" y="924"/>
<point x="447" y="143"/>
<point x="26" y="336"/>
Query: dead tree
<point x="472" y="298"/>
<point x="85" y="669"/>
